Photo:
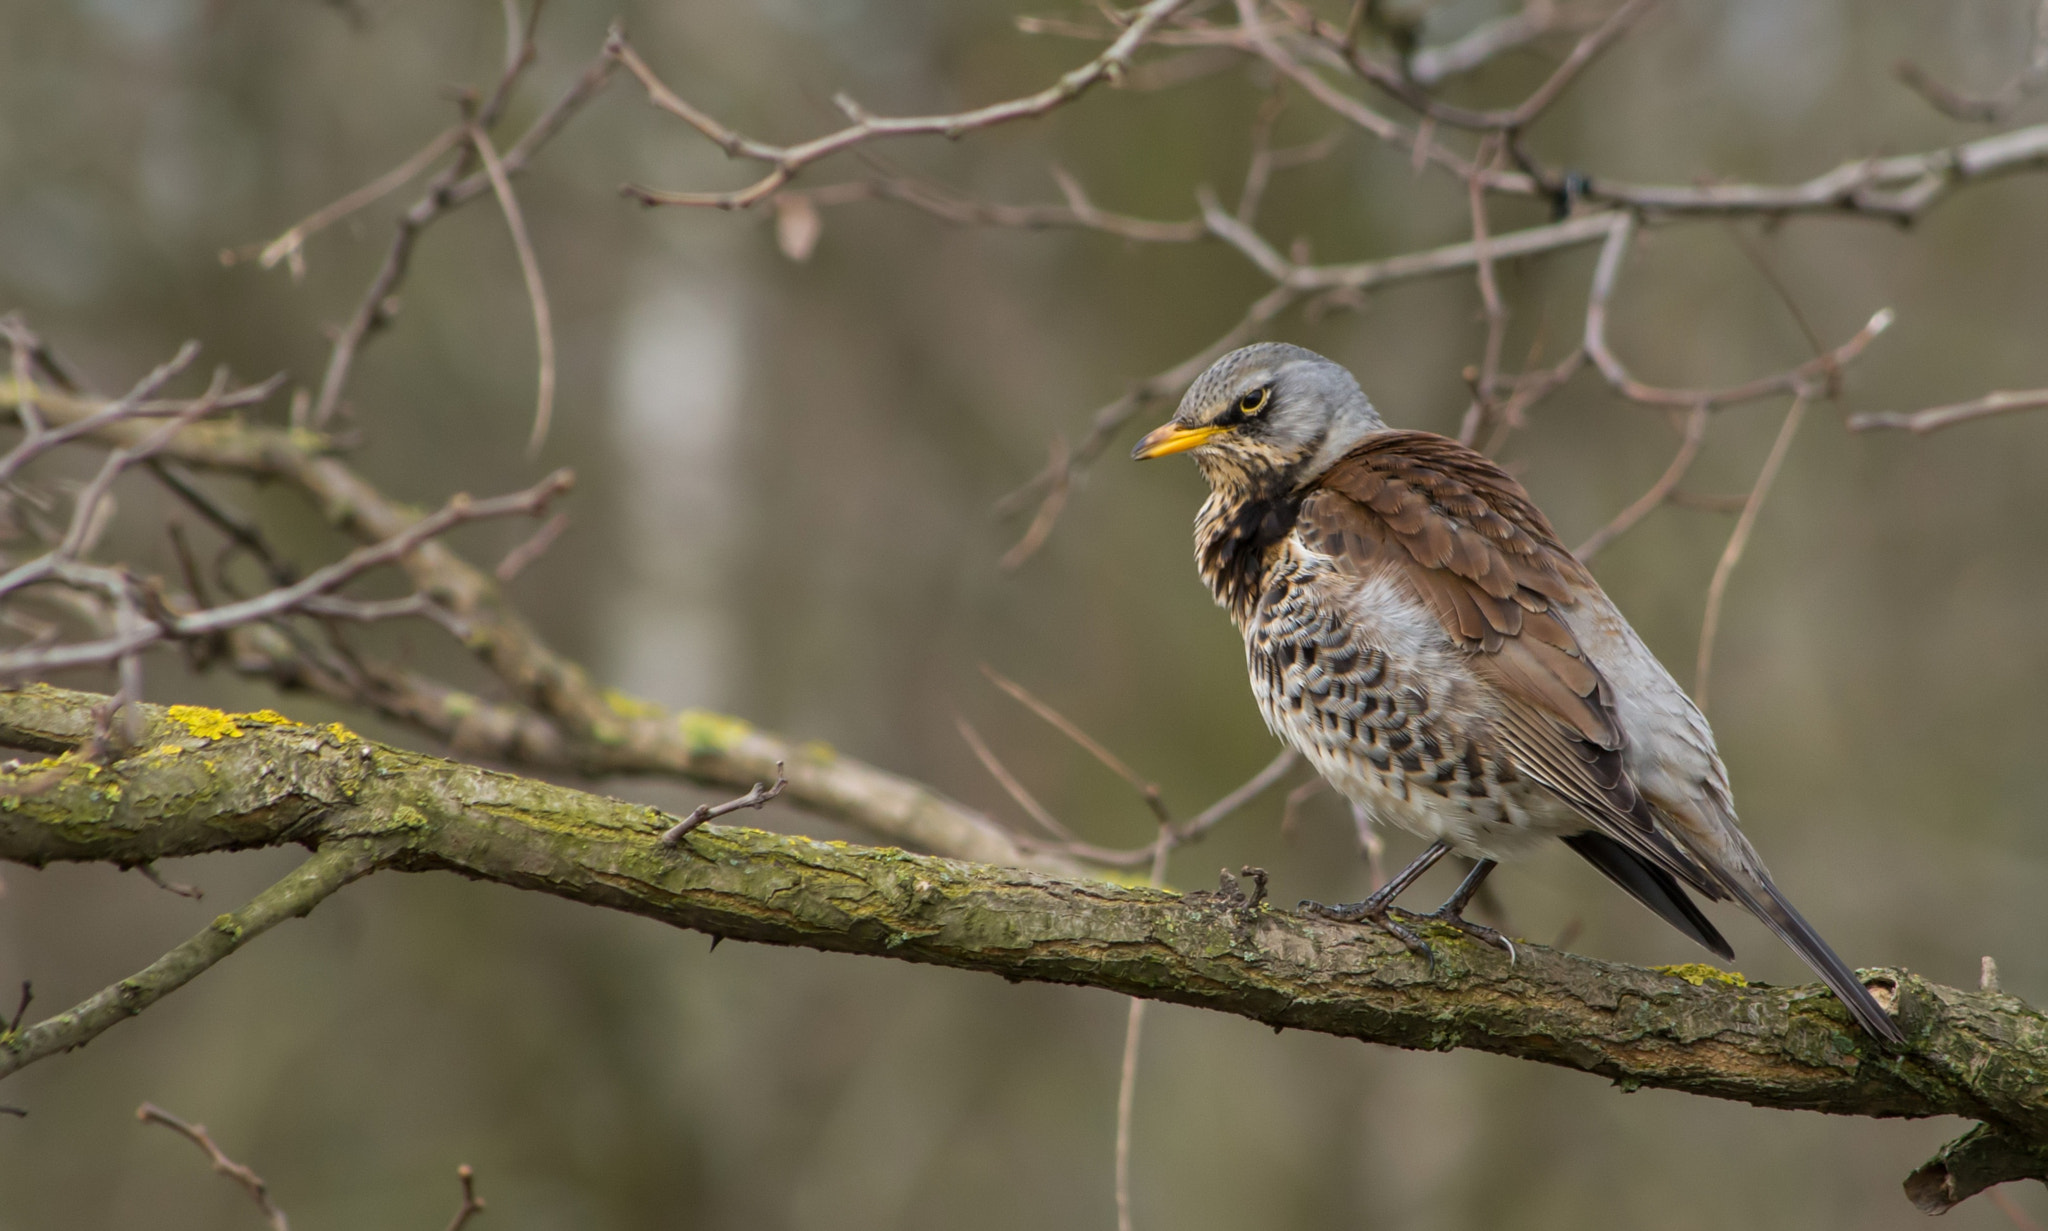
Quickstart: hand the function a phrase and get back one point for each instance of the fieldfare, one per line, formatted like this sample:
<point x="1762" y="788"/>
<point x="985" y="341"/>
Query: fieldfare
<point x="1414" y="627"/>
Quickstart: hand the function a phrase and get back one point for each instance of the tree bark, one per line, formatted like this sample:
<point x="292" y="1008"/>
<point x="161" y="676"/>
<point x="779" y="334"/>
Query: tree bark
<point x="201" y="780"/>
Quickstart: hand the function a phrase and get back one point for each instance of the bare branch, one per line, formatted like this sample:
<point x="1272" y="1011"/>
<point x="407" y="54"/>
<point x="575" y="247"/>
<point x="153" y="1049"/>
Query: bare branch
<point x="1737" y="541"/>
<point x="1147" y="790"/>
<point x="454" y="186"/>
<point x="150" y="874"/>
<point x="786" y="161"/>
<point x="1256" y="785"/>
<point x="1819" y="372"/>
<point x="472" y="1205"/>
<point x="1431" y="65"/>
<point x="516" y="560"/>
<point x="536" y="292"/>
<point x="305" y="887"/>
<point x="1008" y="781"/>
<point x="1972" y="1053"/>
<point x="756" y="798"/>
<point x="1660" y="491"/>
<point x="1921" y="422"/>
<point x="290" y="246"/>
<point x="259" y="1192"/>
<point x="1078" y="213"/>
<point x="1995" y="106"/>
<point x="1402" y="85"/>
<point x="1110" y="419"/>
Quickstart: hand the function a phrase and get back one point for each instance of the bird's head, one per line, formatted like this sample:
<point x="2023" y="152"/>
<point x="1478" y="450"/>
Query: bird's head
<point x="1266" y="417"/>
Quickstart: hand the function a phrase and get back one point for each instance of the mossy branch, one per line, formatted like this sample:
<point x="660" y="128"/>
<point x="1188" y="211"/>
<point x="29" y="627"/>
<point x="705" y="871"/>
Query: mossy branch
<point x="204" y="781"/>
<point x="563" y="721"/>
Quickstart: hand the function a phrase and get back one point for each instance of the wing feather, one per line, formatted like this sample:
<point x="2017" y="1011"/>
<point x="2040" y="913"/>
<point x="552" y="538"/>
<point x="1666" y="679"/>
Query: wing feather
<point x="1471" y="544"/>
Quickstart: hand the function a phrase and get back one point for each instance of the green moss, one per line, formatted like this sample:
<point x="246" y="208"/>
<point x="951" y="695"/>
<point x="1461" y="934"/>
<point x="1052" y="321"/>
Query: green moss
<point x="705" y="732"/>
<point x="1700" y="974"/>
<point x="409" y="817"/>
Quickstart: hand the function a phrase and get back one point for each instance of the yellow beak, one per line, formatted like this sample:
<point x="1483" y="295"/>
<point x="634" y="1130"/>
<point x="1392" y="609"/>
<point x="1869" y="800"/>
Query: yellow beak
<point x="1168" y="438"/>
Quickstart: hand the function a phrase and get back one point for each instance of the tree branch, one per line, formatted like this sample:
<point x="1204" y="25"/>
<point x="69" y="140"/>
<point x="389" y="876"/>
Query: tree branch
<point x="210" y="781"/>
<point x="563" y="720"/>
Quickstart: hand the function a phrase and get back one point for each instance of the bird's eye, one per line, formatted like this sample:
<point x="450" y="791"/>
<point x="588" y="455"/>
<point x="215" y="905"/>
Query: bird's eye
<point x="1255" y="401"/>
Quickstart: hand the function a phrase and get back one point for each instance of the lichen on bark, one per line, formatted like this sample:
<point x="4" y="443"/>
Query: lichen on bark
<point x="363" y="806"/>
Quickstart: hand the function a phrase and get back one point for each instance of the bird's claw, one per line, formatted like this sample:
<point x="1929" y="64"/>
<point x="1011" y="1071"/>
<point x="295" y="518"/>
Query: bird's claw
<point x="1477" y="931"/>
<point x="1379" y="916"/>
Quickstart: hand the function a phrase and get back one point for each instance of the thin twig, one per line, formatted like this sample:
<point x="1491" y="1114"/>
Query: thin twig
<point x="786" y="161"/>
<point x="1253" y="787"/>
<point x="150" y="874"/>
<point x="1921" y="422"/>
<point x="1995" y="106"/>
<point x="472" y="1205"/>
<point x="290" y="246"/>
<point x="1822" y="368"/>
<point x="536" y="292"/>
<point x="272" y="603"/>
<point x="1127" y="1078"/>
<point x="756" y="798"/>
<point x="1008" y="781"/>
<point x="1737" y="541"/>
<point x="1402" y="85"/>
<point x="1060" y="467"/>
<point x="2012" y="1211"/>
<point x="1146" y="789"/>
<point x="1660" y="491"/>
<point x="322" y="874"/>
<point x="150" y="1113"/>
<point x="517" y="560"/>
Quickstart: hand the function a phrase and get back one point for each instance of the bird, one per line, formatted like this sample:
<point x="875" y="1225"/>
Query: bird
<point x="1414" y="627"/>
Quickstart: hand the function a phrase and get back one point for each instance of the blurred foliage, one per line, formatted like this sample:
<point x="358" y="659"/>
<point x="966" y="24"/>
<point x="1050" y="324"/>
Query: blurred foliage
<point x="787" y="476"/>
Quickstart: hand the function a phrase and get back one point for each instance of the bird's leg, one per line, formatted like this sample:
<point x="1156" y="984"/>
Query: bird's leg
<point x="1452" y="911"/>
<point x="1374" y="909"/>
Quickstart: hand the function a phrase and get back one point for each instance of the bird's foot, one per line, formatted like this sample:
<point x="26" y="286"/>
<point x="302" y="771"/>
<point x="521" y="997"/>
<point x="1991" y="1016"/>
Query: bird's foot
<point x="1379" y="915"/>
<point x="1478" y="931"/>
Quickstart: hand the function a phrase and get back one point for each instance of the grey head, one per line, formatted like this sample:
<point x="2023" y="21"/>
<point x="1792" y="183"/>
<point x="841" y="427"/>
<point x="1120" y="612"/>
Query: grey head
<point x="1266" y="417"/>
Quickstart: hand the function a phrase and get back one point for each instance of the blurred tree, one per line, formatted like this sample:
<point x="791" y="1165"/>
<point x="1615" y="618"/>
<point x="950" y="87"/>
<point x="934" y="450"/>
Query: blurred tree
<point x="1456" y="113"/>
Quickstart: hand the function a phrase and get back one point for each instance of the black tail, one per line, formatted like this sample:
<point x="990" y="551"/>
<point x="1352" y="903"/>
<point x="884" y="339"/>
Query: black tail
<point x="1655" y="888"/>
<point x="1778" y="915"/>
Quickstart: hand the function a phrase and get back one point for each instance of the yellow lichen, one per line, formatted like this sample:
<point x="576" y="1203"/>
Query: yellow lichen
<point x="1699" y="974"/>
<point x="204" y="722"/>
<point x="167" y="750"/>
<point x="819" y="751"/>
<point x="409" y="816"/>
<point x="209" y="723"/>
<point x="706" y="732"/>
<point x="340" y="734"/>
<point x="271" y="717"/>
<point x="625" y="705"/>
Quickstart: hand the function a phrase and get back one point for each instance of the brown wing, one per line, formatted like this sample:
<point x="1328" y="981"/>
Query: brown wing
<point x="1467" y="538"/>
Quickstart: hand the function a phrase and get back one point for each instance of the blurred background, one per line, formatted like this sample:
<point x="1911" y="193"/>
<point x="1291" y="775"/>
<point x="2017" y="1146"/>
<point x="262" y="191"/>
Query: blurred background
<point x="787" y="474"/>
